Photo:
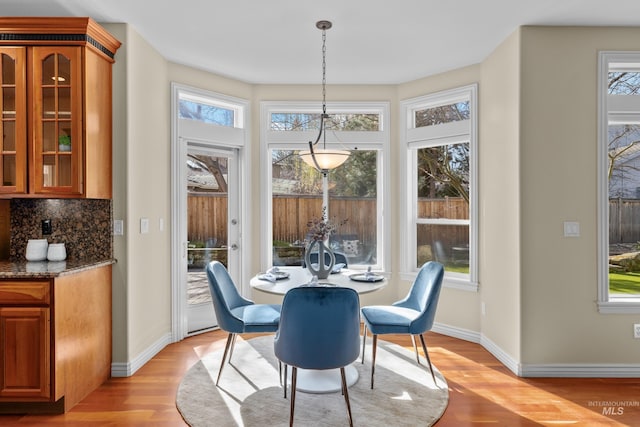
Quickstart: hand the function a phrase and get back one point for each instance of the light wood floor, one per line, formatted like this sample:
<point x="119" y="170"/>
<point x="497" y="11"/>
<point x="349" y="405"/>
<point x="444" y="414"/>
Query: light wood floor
<point x="482" y="391"/>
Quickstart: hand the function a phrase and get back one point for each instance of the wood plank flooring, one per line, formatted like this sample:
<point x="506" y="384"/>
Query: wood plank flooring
<point x="482" y="391"/>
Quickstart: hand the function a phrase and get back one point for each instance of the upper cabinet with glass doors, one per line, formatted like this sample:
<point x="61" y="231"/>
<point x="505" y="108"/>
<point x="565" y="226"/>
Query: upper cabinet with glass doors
<point x="14" y="120"/>
<point x="56" y="107"/>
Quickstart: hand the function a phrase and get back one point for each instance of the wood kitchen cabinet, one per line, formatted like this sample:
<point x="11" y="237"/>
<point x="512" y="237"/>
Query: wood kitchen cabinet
<point x="25" y="337"/>
<point x="56" y="107"/>
<point x="55" y="340"/>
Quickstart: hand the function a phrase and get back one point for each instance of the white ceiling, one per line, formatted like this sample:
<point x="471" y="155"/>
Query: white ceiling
<point x="371" y="42"/>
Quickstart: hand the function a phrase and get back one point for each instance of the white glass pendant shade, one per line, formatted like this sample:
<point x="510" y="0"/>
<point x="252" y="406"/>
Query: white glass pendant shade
<point x="327" y="159"/>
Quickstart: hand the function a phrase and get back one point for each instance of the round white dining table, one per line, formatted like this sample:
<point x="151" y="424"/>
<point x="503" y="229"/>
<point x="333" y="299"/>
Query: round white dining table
<point x="319" y="381"/>
<point x="300" y="276"/>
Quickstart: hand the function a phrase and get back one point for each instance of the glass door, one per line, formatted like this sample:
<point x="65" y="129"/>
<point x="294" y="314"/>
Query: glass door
<point x="13" y="123"/>
<point x="212" y="225"/>
<point x="57" y="93"/>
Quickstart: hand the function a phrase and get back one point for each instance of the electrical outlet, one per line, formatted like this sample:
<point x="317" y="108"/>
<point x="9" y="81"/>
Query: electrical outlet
<point x="636" y="330"/>
<point x="46" y="227"/>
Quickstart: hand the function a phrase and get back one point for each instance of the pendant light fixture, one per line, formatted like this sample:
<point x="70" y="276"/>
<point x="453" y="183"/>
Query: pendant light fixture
<point x="323" y="159"/>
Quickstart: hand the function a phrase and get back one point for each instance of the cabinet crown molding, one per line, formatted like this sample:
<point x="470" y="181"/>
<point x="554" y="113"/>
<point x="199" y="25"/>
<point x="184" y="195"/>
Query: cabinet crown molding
<point x="72" y="31"/>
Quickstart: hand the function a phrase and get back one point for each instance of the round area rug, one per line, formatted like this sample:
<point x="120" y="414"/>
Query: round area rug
<point x="249" y="392"/>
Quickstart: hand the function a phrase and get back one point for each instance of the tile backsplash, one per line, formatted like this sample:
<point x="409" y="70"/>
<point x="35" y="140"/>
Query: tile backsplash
<point x="83" y="225"/>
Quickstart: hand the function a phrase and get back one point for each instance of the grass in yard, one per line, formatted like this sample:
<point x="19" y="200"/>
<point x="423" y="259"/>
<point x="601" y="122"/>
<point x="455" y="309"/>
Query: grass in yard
<point x="457" y="268"/>
<point x="624" y="283"/>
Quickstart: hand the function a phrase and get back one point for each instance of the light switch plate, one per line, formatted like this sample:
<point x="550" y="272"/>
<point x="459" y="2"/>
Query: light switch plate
<point x="571" y="229"/>
<point x="118" y="227"/>
<point x="144" y="225"/>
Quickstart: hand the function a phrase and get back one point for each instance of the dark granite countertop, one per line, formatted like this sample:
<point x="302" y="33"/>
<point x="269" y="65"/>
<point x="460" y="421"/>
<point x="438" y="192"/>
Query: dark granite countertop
<point x="47" y="269"/>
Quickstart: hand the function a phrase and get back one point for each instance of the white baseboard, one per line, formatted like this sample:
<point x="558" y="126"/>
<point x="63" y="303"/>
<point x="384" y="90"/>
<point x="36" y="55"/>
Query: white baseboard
<point x="130" y="368"/>
<point x="476" y="337"/>
<point x="582" y="370"/>
<point x="452" y="331"/>
<point x="568" y="370"/>
<point x="504" y="358"/>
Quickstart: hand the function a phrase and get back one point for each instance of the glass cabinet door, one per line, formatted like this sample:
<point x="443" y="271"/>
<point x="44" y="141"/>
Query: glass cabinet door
<point x="57" y="103"/>
<point x="13" y="122"/>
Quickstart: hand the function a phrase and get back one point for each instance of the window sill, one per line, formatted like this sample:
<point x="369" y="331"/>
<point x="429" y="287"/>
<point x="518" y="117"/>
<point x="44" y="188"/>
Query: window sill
<point x="620" y="305"/>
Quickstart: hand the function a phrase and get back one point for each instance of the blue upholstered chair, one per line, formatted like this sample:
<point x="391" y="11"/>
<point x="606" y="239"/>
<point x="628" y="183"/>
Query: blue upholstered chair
<point x="235" y="314"/>
<point x="319" y="329"/>
<point x="413" y="315"/>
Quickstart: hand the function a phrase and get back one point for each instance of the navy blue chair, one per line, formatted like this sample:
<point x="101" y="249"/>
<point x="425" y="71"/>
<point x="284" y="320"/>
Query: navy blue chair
<point x="319" y="329"/>
<point x="413" y="315"/>
<point x="235" y="314"/>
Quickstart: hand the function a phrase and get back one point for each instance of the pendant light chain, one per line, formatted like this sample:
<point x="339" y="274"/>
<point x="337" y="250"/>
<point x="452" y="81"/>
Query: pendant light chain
<point x="324" y="71"/>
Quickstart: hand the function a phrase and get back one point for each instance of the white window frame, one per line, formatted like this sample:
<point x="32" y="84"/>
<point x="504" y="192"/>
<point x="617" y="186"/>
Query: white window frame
<point x="237" y="137"/>
<point x="220" y="101"/>
<point x="414" y="138"/>
<point x="347" y="140"/>
<point x="612" y="109"/>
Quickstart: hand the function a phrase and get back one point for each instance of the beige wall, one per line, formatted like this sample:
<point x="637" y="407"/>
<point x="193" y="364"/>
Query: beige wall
<point x="149" y="110"/>
<point x="120" y="316"/>
<point x="141" y="284"/>
<point x="560" y="321"/>
<point x="500" y="197"/>
<point x="206" y="81"/>
<point x="537" y="165"/>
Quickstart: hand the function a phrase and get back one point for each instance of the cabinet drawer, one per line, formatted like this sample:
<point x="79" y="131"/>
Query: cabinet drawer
<point x="13" y="293"/>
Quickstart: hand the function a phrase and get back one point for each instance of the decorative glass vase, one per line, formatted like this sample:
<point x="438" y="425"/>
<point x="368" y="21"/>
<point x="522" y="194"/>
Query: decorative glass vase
<point x="319" y="269"/>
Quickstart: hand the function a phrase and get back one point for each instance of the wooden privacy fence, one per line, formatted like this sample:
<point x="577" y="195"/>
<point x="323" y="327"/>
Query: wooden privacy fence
<point x="291" y="215"/>
<point x="207" y="219"/>
<point x="450" y="208"/>
<point x="624" y="220"/>
<point x="207" y="216"/>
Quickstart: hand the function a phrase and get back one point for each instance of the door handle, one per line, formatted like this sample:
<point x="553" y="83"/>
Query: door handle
<point x="234" y="247"/>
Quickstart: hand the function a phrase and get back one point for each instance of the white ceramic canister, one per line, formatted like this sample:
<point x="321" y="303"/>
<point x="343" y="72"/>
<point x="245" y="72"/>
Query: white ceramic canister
<point x="57" y="252"/>
<point x="37" y="249"/>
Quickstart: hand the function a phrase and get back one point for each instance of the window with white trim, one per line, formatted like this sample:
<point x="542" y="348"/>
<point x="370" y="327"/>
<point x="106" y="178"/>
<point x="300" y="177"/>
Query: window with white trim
<point x="292" y="191"/>
<point x="619" y="182"/>
<point x="202" y="108"/>
<point x="440" y="138"/>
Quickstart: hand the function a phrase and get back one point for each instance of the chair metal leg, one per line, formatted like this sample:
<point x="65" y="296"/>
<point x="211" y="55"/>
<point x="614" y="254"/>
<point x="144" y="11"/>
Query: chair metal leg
<point x="424" y="348"/>
<point x="294" y="377"/>
<point x="415" y="348"/>
<point x="373" y="359"/>
<point x="364" y="341"/>
<point x="233" y="345"/>
<point x="224" y="355"/>
<point x="345" y="392"/>
<point x="284" y="382"/>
